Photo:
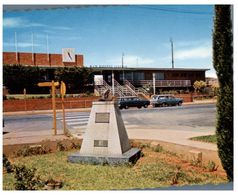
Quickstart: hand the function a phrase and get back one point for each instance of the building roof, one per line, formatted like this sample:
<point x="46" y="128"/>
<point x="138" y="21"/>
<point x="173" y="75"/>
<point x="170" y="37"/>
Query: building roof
<point x="100" y="68"/>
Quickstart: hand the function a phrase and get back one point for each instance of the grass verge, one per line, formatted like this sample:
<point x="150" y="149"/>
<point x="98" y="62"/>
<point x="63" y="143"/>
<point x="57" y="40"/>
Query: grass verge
<point x="155" y="169"/>
<point x="206" y="138"/>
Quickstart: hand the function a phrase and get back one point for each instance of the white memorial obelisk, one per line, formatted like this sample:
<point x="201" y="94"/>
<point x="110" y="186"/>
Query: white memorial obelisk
<point x="105" y="139"/>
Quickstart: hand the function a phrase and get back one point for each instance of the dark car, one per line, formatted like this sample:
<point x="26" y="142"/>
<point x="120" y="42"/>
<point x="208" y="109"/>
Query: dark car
<point x="126" y="102"/>
<point x="165" y="100"/>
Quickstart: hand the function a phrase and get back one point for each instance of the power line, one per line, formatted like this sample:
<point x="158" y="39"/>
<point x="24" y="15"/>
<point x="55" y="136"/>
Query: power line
<point x="174" y="11"/>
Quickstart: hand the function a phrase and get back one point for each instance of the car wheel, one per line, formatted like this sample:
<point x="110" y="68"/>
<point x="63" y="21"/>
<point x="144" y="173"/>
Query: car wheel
<point x="126" y="107"/>
<point x="120" y="107"/>
<point x="145" y="106"/>
<point x="180" y="104"/>
<point x="164" y="104"/>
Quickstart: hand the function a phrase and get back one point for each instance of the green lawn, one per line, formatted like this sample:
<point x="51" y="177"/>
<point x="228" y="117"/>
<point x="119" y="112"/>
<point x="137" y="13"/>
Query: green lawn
<point x="155" y="169"/>
<point x="206" y="138"/>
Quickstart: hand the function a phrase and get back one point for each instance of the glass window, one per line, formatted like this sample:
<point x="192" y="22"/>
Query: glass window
<point x="128" y="76"/>
<point x="139" y="76"/>
<point x="159" y="76"/>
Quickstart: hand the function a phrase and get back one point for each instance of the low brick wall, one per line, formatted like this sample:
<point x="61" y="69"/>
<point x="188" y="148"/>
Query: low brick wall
<point x="186" y="97"/>
<point x="46" y="104"/>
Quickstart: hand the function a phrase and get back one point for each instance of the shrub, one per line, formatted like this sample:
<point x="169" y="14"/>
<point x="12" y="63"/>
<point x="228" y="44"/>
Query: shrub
<point x="142" y="145"/>
<point x="61" y="146"/>
<point x="199" y="86"/>
<point x="26" y="178"/>
<point x="32" y="150"/>
<point x="211" y="166"/>
<point x="52" y="184"/>
<point x="75" y="144"/>
<point x="6" y="164"/>
<point x="158" y="148"/>
<point x="176" y="175"/>
<point x="24" y="151"/>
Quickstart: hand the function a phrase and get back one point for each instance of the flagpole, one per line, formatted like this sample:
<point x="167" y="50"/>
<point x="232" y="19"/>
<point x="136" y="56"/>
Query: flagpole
<point x="32" y="49"/>
<point x="16" y="47"/>
<point x="47" y="47"/>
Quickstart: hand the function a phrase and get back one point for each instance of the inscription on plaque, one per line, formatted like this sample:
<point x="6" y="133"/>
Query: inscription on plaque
<point x="100" y="143"/>
<point x="102" y="117"/>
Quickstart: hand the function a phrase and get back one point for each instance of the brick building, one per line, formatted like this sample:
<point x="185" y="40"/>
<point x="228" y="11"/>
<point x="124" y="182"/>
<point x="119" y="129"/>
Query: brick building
<point x="165" y="78"/>
<point x="40" y="59"/>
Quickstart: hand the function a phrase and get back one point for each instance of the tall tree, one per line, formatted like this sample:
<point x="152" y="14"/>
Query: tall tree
<point x="223" y="64"/>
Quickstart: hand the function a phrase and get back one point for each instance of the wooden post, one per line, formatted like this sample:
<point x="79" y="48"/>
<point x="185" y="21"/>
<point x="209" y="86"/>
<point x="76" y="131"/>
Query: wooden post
<point x="54" y="108"/>
<point x="52" y="84"/>
<point x="24" y="93"/>
<point x="63" y="91"/>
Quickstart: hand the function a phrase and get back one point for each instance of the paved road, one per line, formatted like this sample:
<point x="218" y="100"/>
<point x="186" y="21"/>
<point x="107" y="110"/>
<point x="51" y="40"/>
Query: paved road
<point x="187" y="118"/>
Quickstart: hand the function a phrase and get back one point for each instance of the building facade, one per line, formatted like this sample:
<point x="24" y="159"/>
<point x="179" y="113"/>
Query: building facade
<point x="40" y="59"/>
<point x="162" y="78"/>
<point x="159" y="78"/>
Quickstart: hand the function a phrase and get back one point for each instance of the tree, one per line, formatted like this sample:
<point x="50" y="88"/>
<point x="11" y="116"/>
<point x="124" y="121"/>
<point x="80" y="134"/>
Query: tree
<point x="199" y="86"/>
<point x="223" y="64"/>
<point x="75" y="78"/>
<point x="18" y="77"/>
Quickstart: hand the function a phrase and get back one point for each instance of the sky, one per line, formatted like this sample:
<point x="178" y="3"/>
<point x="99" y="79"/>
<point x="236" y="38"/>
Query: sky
<point x="104" y="33"/>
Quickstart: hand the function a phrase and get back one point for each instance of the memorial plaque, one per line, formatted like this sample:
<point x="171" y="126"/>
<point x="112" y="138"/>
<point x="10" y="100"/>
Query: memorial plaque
<point x="100" y="143"/>
<point x="103" y="117"/>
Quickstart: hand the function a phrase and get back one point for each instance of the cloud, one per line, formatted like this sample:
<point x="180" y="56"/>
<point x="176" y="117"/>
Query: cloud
<point x="131" y="60"/>
<point x="13" y="22"/>
<point x="60" y="27"/>
<point x="18" y="22"/>
<point x="20" y="44"/>
<point x="193" y="53"/>
<point x="189" y="50"/>
<point x="192" y="43"/>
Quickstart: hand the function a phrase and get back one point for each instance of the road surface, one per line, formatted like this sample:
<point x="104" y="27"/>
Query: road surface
<point x="195" y="118"/>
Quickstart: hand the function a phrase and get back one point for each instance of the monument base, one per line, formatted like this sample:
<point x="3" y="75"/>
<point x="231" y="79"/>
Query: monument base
<point x="131" y="156"/>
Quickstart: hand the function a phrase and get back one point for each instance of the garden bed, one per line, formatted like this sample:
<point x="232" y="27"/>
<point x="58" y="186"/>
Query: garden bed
<point x="157" y="168"/>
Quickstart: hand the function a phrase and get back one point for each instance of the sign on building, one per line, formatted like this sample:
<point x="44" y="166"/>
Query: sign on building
<point x="68" y="54"/>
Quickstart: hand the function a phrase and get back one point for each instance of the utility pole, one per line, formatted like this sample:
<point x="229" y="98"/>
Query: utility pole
<point x="122" y="65"/>
<point x="172" y="51"/>
<point x="113" y="85"/>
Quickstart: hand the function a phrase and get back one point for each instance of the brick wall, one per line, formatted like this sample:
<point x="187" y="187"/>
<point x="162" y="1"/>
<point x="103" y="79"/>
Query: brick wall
<point x="39" y="59"/>
<point x="46" y="104"/>
<point x="186" y="97"/>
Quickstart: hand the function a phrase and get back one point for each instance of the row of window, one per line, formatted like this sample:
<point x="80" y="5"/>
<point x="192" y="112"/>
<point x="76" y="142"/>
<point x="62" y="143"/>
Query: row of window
<point x="186" y="74"/>
<point x="158" y="76"/>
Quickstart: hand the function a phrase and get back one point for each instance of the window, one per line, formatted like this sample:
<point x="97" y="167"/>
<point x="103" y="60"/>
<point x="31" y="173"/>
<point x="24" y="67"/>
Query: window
<point x="139" y="76"/>
<point x="183" y="74"/>
<point x="159" y="76"/>
<point x="128" y="76"/>
<point x="175" y="74"/>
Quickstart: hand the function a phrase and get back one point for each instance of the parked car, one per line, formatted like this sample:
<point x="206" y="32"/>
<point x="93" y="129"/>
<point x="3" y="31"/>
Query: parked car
<point x="165" y="100"/>
<point x="126" y="102"/>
